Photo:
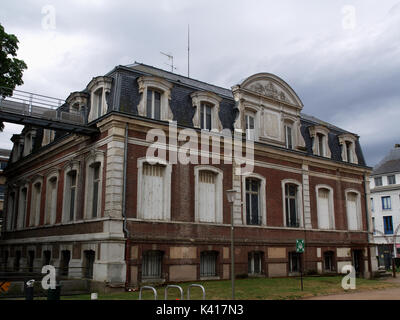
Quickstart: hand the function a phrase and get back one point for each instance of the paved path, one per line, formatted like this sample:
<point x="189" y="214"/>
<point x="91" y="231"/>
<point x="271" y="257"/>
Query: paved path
<point x="379" y="294"/>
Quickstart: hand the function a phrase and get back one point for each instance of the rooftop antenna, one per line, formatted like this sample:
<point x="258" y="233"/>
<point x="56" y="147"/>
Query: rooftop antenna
<point x="171" y="58"/>
<point x="188" y="49"/>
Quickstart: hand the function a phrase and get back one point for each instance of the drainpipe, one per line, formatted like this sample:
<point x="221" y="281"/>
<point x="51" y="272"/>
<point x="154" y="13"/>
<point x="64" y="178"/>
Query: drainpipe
<point x="366" y="199"/>
<point x="126" y="231"/>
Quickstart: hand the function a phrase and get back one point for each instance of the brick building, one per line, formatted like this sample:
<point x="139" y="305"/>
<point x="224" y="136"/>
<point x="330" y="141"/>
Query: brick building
<point x="4" y="155"/>
<point x="94" y="206"/>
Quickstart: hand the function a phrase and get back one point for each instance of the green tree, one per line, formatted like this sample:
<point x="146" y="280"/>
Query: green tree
<point x="11" y="68"/>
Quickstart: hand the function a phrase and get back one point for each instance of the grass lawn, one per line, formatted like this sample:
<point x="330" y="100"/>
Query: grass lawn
<point x="251" y="288"/>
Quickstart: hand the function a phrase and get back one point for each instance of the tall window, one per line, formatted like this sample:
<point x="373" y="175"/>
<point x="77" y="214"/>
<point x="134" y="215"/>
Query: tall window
<point x="209" y="197"/>
<point x="35" y="210"/>
<point x="288" y="137"/>
<point x="94" y="188"/>
<point x="386" y="203"/>
<point x="349" y="155"/>
<point x="291" y="205"/>
<point x="388" y="225"/>
<point x="320" y="144"/>
<point x="353" y="211"/>
<point x="98" y="96"/>
<point x="152" y="264"/>
<point x="51" y="200"/>
<point x="373" y="225"/>
<point x="153" y="104"/>
<point x="46" y="257"/>
<point x="17" y="260"/>
<point x="250" y="127"/>
<point x="154" y="187"/>
<point x="325" y="208"/>
<point x="391" y="179"/>
<point x="254" y="263"/>
<point x="22" y="208"/>
<point x="70" y="195"/>
<point x="205" y="116"/>
<point x="372" y="205"/>
<point x="208" y="264"/>
<point x="11" y="211"/>
<point x="253" y="212"/>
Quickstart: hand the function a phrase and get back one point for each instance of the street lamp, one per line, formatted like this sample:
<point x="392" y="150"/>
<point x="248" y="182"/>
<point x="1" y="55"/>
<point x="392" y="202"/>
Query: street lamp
<point x="231" y="194"/>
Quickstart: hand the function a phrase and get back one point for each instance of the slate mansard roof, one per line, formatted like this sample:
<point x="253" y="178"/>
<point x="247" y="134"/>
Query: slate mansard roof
<point x="389" y="164"/>
<point x="124" y="97"/>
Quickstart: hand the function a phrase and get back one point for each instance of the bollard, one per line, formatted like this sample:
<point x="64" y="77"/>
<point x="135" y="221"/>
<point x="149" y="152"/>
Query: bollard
<point x="29" y="290"/>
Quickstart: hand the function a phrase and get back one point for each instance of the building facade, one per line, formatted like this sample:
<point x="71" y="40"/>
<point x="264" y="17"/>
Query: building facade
<point x="97" y="207"/>
<point x="4" y="155"/>
<point x="385" y="207"/>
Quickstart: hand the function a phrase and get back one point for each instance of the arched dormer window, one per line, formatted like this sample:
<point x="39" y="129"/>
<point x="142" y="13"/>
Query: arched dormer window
<point x="99" y="88"/>
<point x="207" y="110"/>
<point x="348" y="144"/>
<point x="156" y="94"/>
<point x="320" y="136"/>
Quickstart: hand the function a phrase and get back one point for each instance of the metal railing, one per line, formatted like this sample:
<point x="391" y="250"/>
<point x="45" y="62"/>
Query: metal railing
<point x="39" y="106"/>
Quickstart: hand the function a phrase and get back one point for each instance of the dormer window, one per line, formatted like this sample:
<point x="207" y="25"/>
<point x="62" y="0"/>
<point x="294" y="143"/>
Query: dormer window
<point x="156" y="94"/>
<point x="153" y="104"/>
<point x="320" y="135"/>
<point x="347" y="141"/>
<point x="99" y="88"/>
<point x="206" y="115"/>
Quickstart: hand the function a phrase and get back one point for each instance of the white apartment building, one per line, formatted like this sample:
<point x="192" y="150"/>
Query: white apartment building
<point x="385" y="207"/>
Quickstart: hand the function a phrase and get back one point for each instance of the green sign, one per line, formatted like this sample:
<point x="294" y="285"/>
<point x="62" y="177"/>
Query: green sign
<point x="300" y="245"/>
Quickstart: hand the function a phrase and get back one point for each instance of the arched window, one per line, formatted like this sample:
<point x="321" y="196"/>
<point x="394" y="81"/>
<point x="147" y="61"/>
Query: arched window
<point x="325" y="207"/>
<point x="51" y="199"/>
<point x="94" y="175"/>
<point x="292" y="203"/>
<point x="35" y="203"/>
<point x="154" y="190"/>
<point x="353" y="208"/>
<point x="70" y="191"/>
<point x="208" y="194"/>
<point x="206" y="115"/>
<point x="255" y="202"/>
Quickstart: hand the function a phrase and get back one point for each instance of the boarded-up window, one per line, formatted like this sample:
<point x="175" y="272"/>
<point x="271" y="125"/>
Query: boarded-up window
<point x="352" y="211"/>
<point x="153" y="191"/>
<point x="207" y="192"/>
<point x="151" y="265"/>
<point x="324" y="209"/>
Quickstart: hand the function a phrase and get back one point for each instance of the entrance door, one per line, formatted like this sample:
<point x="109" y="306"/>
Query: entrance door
<point x="358" y="262"/>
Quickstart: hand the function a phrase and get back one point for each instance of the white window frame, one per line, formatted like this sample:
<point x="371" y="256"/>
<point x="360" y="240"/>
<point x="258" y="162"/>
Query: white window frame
<point x="346" y="140"/>
<point x="97" y="157"/>
<point x="315" y="131"/>
<point x="358" y="209"/>
<point x="72" y="166"/>
<point x="331" y="206"/>
<point x="218" y="194"/>
<point x="166" y="214"/>
<point x="11" y="209"/>
<point x="262" y="198"/>
<point x="98" y="83"/>
<point x="160" y="85"/>
<point x="299" y="201"/>
<point x="210" y="98"/>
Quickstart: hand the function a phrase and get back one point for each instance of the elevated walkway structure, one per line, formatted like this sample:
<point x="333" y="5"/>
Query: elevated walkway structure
<point x="28" y="108"/>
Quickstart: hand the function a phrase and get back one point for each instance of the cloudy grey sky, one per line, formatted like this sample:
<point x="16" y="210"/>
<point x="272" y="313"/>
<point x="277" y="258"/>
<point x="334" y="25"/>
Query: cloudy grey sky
<point x="341" y="57"/>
